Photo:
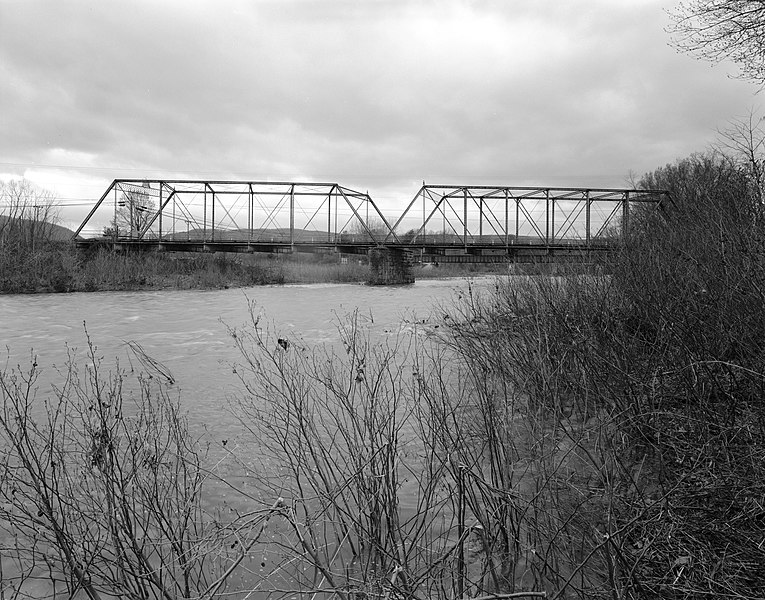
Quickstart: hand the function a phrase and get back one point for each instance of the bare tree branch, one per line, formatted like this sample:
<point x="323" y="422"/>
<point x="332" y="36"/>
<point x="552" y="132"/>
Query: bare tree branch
<point x="744" y="142"/>
<point x="717" y="30"/>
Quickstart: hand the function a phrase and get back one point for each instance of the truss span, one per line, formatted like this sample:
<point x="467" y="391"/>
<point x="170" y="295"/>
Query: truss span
<point x="138" y="210"/>
<point x="529" y="216"/>
<point x="439" y="220"/>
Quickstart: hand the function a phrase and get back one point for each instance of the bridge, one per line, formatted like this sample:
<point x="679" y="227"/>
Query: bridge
<point x="447" y="223"/>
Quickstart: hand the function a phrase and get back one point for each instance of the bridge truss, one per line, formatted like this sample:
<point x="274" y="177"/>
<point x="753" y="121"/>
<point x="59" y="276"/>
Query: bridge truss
<point x="185" y="211"/>
<point x="441" y="220"/>
<point x="481" y="216"/>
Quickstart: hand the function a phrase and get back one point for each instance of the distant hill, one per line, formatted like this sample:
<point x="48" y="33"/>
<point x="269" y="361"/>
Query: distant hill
<point x="242" y="235"/>
<point x="57" y="233"/>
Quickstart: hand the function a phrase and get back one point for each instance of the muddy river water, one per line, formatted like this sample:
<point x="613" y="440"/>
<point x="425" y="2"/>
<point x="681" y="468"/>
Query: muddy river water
<point x="186" y="330"/>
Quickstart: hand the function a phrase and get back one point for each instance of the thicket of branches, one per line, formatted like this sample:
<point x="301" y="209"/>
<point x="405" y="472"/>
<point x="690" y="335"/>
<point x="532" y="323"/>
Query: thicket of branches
<point x="27" y="216"/>
<point x="578" y="436"/>
<point x="28" y="219"/>
<point x="582" y="436"/>
<point x="717" y="30"/>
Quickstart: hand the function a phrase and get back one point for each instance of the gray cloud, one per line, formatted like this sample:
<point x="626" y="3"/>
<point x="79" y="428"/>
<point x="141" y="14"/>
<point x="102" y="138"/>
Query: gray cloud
<point x="376" y="94"/>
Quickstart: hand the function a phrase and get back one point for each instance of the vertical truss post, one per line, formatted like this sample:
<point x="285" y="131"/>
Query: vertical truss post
<point x="334" y="229"/>
<point x="626" y="213"/>
<point x="250" y="207"/>
<point x="588" y="225"/>
<point x="517" y="219"/>
<point x="159" y="240"/>
<point x="204" y="216"/>
<point x="329" y="213"/>
<point x="552" y="219"/>
<point x="173" y="234"/>
<point x="443" y="222"/>
<point x="292" y="216"/>
<point x="465" y="222"/>
<point x="507" y="220"/>
<point x="114" y="223"/>
<point x="424" y="218"/>
<point x="547" y="217"/>
<point x="480" y="219"/>
<point x="212" y="216"/>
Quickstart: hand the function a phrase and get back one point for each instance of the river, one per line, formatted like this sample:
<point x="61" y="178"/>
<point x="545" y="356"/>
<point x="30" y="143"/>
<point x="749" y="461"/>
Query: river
<point x="186" y="332"/>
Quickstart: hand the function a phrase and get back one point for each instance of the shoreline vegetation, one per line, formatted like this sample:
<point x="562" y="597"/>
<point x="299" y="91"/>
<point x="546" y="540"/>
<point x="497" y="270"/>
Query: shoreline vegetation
<point x="59" y="267"/>
<point x="38" y="256"/>
<point x="567" y="437"/>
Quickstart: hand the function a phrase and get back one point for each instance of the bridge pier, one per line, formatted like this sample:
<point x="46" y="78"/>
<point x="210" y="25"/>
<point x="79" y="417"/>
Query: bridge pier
<point x="390" y="266"/>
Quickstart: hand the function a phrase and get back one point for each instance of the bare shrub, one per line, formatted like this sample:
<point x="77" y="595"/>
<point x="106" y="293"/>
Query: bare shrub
<point x="631" y="454"/>
<point x="693" y="284"/>
<point x="539" y="441"/>
<point x="339" y="444"/>
<point x="378" y="505"/>
<point x="634" y="445"/>
<point x="102" y="491"/>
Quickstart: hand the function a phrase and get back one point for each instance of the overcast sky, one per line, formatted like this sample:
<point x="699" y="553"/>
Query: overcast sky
<point x="376" y="95"/>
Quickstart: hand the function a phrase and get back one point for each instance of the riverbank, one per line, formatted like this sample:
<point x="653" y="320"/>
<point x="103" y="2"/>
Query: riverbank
<point x="61" y="268"/>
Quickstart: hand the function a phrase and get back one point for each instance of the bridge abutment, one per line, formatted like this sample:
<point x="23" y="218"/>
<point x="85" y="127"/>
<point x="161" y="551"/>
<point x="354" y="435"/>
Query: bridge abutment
<point x="390" y="266"/>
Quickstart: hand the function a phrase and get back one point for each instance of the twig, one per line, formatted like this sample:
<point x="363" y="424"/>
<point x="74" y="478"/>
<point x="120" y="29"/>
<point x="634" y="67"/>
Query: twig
<point x="215" y="586"/>
<point x="510" y="595"/>
<point x="149" y="363"/>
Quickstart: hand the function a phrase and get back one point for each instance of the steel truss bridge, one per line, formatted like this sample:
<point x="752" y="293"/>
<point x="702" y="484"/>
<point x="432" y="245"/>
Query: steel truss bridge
<point x="442" y="222"/>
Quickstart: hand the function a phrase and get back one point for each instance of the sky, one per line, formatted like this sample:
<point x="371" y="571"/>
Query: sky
<point x="377" y="95"/>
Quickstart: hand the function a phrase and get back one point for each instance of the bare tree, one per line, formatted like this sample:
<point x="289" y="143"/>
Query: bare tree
<point x="744" y="141"/>
<point x="716" y="30"/>
<point x="28" y="215"/>
<point x="134" y="212"/>
<point x="373" y="225"/>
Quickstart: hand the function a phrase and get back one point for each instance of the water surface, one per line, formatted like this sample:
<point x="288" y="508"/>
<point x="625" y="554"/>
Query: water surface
<point x="186" y="330"/>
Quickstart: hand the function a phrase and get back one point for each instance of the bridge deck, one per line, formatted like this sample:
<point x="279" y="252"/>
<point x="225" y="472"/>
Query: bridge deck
<point x="422" y="252"/>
